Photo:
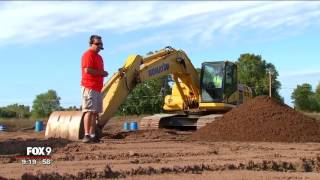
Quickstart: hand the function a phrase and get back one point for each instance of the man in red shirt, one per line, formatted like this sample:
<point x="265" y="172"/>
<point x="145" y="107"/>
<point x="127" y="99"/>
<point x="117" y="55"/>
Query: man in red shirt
<point x="92" y="82"/>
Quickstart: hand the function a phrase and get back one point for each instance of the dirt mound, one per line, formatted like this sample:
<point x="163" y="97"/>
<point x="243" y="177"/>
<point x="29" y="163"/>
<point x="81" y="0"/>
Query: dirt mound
<point x="261" y="119"/>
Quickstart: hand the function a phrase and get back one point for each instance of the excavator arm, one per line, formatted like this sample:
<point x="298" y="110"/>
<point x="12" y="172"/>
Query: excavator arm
<point x="138" y="69"/>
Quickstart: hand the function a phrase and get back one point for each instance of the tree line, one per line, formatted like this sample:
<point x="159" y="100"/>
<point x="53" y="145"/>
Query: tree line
<point x="305" y="99"/>
<point x="148" y="97"/>
<point x="43" y="105"/>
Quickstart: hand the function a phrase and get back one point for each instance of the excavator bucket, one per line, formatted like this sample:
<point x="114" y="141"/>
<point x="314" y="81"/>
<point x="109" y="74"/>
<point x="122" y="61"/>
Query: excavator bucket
<point x="65" y="124"/>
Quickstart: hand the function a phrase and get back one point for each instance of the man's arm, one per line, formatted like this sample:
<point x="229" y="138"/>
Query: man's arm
<point x="95" y="72"/>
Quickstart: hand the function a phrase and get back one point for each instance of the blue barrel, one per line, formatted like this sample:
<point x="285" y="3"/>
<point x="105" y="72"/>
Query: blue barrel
<point x="39" y="126"/>
<point x="126" y="126"/>
<point x="133" y="126"/>
<point x="2" y="128"/>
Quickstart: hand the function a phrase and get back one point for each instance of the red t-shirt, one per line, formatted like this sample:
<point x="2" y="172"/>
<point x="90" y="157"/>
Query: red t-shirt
<point x="91" y="59"/>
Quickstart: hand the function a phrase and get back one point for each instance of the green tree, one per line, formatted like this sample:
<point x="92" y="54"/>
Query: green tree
<point x="253" y="72"/>
<point x="6" y="113"/>
<point x="45" y="104"/>
<point x="304" y="99"/>
<point x="149" y="53"/>
<point x="318" y="89"/>
<point x="317" y="94"/>
<point x="317" y="97"/>
<point x="146" y="98"/>
<point x="21" y="111"/>
<point x="198" y="71"/>
<point x="70" y="108"/>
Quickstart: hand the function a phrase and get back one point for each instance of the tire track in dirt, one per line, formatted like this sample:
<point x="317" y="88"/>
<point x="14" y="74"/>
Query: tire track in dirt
<point x="128" y="155"/>
<point x="305" y="165"/>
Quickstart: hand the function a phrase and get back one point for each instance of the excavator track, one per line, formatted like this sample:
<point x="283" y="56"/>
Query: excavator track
<point x="153" y="122"/>
<point x="204" y="120"/>
<point x="176" y="121"/>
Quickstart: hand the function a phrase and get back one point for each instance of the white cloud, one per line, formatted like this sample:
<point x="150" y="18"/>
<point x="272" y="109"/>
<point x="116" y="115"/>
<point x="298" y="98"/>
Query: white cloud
<point x="300" y="73"/>
<point x="143" y="42"/>
<point x="27" y="22"/>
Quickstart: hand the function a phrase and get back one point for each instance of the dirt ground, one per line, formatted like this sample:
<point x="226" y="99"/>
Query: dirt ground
<point x="161" y="154"/>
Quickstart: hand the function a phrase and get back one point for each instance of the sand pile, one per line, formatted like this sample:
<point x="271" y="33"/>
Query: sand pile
<point x="261" y="119"/>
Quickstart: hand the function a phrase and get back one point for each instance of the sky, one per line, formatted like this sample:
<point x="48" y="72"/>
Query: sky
<point x="41" y="43"/>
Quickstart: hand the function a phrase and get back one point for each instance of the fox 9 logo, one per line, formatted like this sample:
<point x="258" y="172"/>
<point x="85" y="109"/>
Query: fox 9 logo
<point x="39" y="151"/>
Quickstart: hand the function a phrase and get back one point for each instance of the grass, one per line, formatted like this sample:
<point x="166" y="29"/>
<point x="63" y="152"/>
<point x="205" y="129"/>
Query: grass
<point x="13" y="124"/>
<point x="313" y="115"/>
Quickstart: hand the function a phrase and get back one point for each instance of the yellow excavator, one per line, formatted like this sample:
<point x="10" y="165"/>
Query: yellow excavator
<point x="194" y="101"/>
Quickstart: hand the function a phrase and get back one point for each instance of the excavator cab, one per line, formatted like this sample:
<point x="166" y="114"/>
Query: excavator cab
<point x="218" y="82"/>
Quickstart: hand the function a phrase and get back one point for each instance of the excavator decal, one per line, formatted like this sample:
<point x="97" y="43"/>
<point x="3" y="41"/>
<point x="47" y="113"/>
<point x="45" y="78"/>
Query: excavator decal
<point x="159" y="69"/>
